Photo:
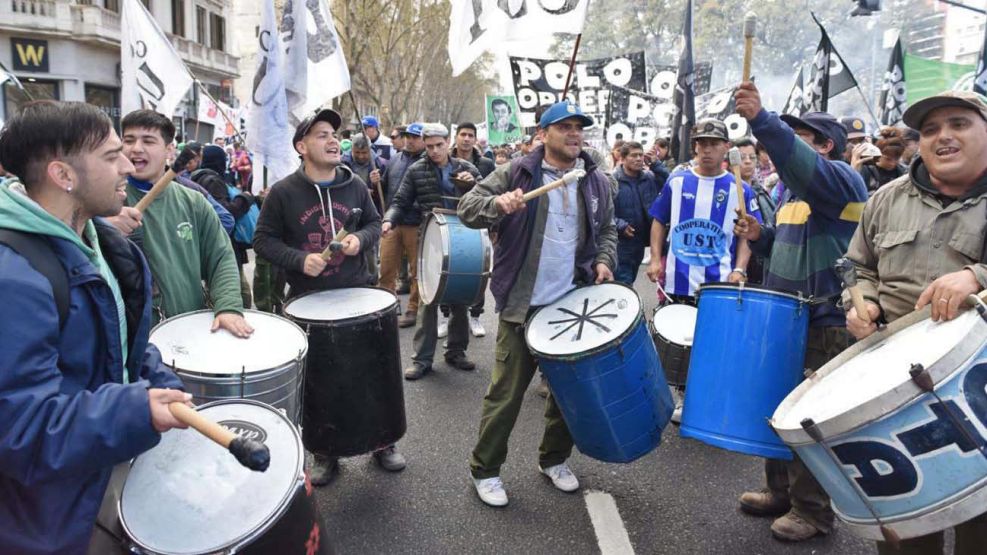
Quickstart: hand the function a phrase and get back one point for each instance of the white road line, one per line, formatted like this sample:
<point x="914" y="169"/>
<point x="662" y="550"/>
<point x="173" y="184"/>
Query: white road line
<point x="611" y="535"/>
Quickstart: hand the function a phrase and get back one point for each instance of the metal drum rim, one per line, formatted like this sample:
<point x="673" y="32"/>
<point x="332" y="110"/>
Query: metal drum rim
<point x="440" y="288"/>
<point x="249" y="537"/>
<point x="877" y="407"/>
<point x="331" y="323"/>
<point x="724" y="286"/>
<point x="616" y="341"/>
<point x="656" y="333"/>
<point x="251" y="377"/>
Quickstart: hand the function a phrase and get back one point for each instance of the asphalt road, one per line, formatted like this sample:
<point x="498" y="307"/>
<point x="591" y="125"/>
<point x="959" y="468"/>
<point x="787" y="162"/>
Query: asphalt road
<point x="681" y="498"/>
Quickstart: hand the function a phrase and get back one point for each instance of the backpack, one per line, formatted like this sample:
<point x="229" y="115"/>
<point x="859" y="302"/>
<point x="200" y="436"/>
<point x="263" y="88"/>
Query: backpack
<point x="41" y="256"/>
<point x="243" y="230"/>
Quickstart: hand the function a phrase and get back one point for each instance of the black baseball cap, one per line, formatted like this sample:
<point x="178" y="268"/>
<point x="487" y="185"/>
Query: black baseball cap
<point x="820" y="123"/>
<point x="327" y="115"/>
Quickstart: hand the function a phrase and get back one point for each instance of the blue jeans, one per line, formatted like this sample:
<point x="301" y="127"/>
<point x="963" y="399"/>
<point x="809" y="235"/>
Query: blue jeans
<point x="630" y="253"/>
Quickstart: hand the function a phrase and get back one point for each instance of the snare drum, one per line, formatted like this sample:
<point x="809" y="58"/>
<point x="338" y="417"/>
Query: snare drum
<point x="886" y="449"/>
<point x="354" y="389"/>
<point x="453" y="261"/>
<point x="672" y="329"/>
<point x="593" y="347"/>
<point x="737" y="375"/>
<point x="265" y="367"/>
<point x="189" y="495"/>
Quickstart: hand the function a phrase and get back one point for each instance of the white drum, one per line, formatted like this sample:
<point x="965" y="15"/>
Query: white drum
<point x="268" y="366"/>
<point x="672" y="329"/>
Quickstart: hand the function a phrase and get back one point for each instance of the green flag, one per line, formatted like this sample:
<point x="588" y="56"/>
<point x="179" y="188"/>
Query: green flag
<point x="926" y="78"/>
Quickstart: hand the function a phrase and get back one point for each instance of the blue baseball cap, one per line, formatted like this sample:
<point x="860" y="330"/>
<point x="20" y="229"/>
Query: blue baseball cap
<point x="823" y="124"/>
<point x="414" y="129"/>
<point x="562" y="111"/>
<point x="369" y="121"/>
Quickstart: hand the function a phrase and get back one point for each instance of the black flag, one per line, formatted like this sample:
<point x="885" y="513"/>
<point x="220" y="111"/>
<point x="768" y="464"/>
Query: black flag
<point x="830" y="74"/>
<point x="684" y="97"/>
<point x="980" y="79"/>
<point x="794" y="106"/>
<point x="893" y="91"/>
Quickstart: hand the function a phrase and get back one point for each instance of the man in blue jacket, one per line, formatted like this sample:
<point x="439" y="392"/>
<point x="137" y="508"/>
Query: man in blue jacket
<point x="637" y="188"/>
<point x="80" y="388"/>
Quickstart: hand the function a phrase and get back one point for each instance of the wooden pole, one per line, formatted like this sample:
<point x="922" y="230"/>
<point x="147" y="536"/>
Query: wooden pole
<point x="572" y="66"/>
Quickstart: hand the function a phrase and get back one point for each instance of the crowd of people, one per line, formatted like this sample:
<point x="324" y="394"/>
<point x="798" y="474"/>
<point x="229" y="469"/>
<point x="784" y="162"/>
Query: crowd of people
<point x="87" y="270"/>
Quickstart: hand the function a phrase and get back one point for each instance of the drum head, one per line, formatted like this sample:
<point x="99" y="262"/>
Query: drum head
<point x="187" y="342"/>
<point x="583" y="320"/>
<point x="339" y="304"/>
<point x="878" y="370"/>
<point x="189" y="495"/>
<point x="432" y="254"/>
<point x="676" y="323"/>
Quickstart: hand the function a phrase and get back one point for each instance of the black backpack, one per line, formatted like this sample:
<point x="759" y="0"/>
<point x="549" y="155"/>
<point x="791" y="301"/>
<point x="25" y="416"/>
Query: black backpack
<point x="41" y="256"/>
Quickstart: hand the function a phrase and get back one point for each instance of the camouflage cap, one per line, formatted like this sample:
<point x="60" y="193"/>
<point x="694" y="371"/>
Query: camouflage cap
<point x="915" y="114"/>
<point x="710" y="129"/>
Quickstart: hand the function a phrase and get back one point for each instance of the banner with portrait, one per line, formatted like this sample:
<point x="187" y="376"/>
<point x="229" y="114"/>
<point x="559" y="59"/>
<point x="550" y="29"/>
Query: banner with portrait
<point x="503" y="125"/>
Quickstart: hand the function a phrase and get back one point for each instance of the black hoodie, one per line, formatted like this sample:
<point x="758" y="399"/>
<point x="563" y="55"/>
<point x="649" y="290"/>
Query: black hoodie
<point x="294" y="223"/>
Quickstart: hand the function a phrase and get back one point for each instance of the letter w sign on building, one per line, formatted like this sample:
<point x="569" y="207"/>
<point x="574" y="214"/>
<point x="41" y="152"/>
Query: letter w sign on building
<point x="29" y="54"/>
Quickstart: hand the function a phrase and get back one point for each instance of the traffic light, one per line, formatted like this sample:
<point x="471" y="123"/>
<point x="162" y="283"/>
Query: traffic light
<point x="866" y="7"/>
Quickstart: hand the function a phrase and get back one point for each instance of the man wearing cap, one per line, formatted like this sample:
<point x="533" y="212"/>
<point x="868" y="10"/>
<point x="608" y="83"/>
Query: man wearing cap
<point x="399" y="248"/>
<point x="856" y="135"/>
<point x="921" y="242"/>
<point x="427" y="184"/>
<point x="545" y="249"/>
<point x="812" y="229"/>
<point x="300" y="218"/>
<point x="379" y="143"/>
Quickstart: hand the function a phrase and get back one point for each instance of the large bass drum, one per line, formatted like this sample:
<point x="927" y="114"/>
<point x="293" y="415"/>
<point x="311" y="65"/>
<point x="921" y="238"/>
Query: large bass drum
<point x="453" y="261"/>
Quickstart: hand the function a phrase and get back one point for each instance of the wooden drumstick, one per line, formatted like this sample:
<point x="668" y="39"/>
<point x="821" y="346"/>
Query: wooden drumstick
<point x="847" y="270"/>
<point x="750" y="24"/>
<point x="249" y="452"/>
<point x="735" y="165"/>
<point x="156" y="190"/>
<point x="567" y="179"/>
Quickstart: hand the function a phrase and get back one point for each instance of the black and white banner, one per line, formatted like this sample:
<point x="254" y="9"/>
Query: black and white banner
<point x="830" y="75"/>
<point x="152" y="74"/>
<point x="541" y="82"/>
<point x="894" y="93"/>
<point x="795" y="105"/>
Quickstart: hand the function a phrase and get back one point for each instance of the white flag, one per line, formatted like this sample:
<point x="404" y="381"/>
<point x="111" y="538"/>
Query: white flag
<point x="268" y="131"/>
<point x="154" y="75"/>
<point x="476" y="26"/>
<point x="315" y="66"/>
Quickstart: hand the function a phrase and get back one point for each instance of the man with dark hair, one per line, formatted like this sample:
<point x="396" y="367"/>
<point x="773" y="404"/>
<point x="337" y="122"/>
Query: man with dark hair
<point x="183" y="240"/>
<point x="81" y="390"/>
<point x="812" y="229"/>
<point x="545" y="249"/>
<point x="637" y="189"/>
<point x="748" y="173"/>
<point x="502" y="116"/>
<point x="427" y="184"/>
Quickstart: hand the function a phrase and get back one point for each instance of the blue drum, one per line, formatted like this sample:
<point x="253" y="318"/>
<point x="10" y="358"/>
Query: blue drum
<point x="895" y="428"/>
<point x="453" y="261"/>
<point x="737" y="374"/>
<point x="602" y="367"/>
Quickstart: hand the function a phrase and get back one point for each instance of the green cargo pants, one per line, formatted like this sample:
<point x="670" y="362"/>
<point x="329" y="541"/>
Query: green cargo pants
<point x="269" y="282"/>
<point x="512" y="373"/>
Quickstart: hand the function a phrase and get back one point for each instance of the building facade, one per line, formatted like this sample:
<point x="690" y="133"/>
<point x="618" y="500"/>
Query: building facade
<point x="70" y="50"/>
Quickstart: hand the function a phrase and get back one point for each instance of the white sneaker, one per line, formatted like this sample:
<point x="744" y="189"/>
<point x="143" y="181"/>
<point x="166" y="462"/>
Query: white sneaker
<point x="491" y="491"/>
<point x="677" y="413"/>
<point x="476" y="328"/>
<point x="443" y="328"/>
<point x="562" y="477"/>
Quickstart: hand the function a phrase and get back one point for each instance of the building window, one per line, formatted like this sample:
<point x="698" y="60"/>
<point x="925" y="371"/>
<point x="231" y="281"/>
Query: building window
<point x="106" y="99"/>
<point x="112" y="5"/>
<point x="14" y="98"/>
<point x="217" y="31"/>
<point x="178" y="17"/>
<point x="200" y="25"/>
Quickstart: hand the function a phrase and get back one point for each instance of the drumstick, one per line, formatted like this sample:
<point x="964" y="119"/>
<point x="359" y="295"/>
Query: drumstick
<point x="567" y="179"/>
<point x="249" y="452"/>
<point x="750" y="23"/>
<point x="336" y="244"/>
<point x="156" y="190"/>
<point x="847" y="270"/>
<point x="735" y="165"/>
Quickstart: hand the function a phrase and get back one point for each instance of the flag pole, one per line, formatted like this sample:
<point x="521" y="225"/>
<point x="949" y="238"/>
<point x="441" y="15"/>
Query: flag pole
<point x="867" y="104"/>
<point x="202" y="88"/>
<point x="572" y="65"/>
<point x="17" y="82"/>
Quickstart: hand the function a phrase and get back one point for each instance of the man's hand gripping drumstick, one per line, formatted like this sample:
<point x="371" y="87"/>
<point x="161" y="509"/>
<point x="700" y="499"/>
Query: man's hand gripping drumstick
<point x="513" y="201"/>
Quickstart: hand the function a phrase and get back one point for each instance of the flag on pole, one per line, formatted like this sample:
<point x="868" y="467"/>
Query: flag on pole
<point x="476" y="26"/>
<point x="153" y="74"/>
<point x="830" y="74"/>
<point x="8" y="76"/>
<point x="894" y="93"/>
<point x="793" y="106"/>
<point x="315" y="65"/>
<point x="269" y="132"/>
<point x="684" y="96"/>
<point x="980" y="77"/>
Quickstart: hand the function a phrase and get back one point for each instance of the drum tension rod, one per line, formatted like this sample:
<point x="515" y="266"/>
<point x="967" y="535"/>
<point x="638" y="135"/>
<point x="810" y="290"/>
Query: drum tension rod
<point x="890" y="536"/>
<point x="980" y="305"/>
<point x="921" y="378"/>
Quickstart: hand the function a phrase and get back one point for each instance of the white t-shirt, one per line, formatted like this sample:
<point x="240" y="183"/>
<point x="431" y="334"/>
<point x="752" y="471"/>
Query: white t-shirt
<point x="557" y="265"/>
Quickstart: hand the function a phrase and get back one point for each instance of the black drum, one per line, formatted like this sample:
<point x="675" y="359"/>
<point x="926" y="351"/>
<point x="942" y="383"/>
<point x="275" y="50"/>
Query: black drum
<point x="672" y="328"/>
<point x="354" y="390"/>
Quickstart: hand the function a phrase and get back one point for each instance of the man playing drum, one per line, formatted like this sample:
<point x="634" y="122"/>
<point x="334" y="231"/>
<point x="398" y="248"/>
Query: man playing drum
<point x="921" y="242"/>
<point x="544" y="250"/>
<point x="811" y="231"/>
<point x="81" y="390"/>
<point x="427" y="184"/>
<point x="302" y="215"/>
